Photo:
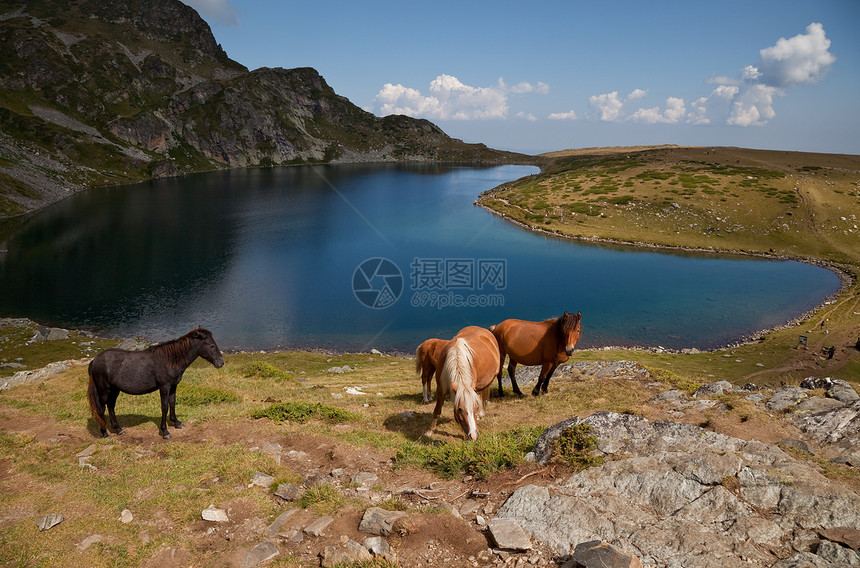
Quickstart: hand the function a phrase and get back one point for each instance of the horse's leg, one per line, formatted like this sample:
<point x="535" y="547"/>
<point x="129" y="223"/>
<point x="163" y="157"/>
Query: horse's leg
<point x="512" y="366"/>
<point x="441" y="395"/>
<point x="502" y="355"/>
<point x="113" y="393"/>
<point x="171" y="400"/>
<point x="101" y="403"/>
<point x="426" y="378"/>
<point x="164" y="391"/>
<point x="546" y="372"/>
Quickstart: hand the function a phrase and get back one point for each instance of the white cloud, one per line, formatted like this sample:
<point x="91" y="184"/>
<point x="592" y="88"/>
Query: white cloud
<point x="220" y="11"/>
<point x="569" y="115"/>
<point x="611" y="107"/>
<point x="451" y="99"/>
<point x="805" y="58"/>
<point x="745" y="100"/>
<point x="752" y="106"/>
<point x="526" y="116"/>
<point x="674" y="112"/>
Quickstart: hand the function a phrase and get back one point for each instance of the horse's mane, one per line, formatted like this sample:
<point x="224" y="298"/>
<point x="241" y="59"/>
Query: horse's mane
<point x="458" y="371"/>
<point x="565" y="324"/>
<point x="175" y="350"/>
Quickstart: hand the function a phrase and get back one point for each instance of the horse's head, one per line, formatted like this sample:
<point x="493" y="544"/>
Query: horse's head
<point x="569" y="330"/>
<point x="208" y="349"/>
<point x="467" y="408"/>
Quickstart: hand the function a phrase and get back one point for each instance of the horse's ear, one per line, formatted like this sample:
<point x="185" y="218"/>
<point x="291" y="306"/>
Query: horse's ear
<point x="565" y="312"/>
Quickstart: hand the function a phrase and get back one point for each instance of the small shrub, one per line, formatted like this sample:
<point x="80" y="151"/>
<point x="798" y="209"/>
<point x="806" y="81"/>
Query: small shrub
<point x="489" y="454"/>
<point x="302" y="412"/>
<point x="574" y="447"/>
<point x="266" y="371"/>
<point x="323" y="497"/>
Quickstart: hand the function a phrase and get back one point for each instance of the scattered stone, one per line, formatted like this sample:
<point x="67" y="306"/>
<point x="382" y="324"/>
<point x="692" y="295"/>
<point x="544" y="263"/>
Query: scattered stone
<point x="379" y="521"/>
<point x="377" y="546"/>
<point x="279" y="522"/>
<point x="599" y="554"/>
<point x="508" y="534"/>
<point x="784" y="398"/>
<point x="288" y="491"/>
<point x="259" y="554"/>
<point x="713" y="389"/>
<point x="364" y="478"/>
<point x="317" y="527"/>
<point x="262" y="480"/>
<point x="89" y="541"/>
<point x="126" y="517"/>
<point x="47" y="522"/>
<point x="88" y="451"/>
<point x="345" y="553"/>
<point x="215" y="515"/>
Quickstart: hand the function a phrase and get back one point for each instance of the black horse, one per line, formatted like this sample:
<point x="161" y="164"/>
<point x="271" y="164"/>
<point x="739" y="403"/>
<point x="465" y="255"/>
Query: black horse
<point x="140" y="372"/>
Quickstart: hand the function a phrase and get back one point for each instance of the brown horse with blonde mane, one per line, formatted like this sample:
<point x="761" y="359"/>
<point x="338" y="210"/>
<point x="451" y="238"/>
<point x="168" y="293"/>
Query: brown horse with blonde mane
<point x="426" y="357"/>
<point x="547" y="343"/>
<point x="467" y="365"/>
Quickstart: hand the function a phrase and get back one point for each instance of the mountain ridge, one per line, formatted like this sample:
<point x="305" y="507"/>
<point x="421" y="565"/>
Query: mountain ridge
<point x="107" y="92"/>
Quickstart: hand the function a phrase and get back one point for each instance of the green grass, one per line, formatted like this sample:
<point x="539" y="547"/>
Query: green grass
<point x="489" y="454"/>
<point x="301" y="412"/>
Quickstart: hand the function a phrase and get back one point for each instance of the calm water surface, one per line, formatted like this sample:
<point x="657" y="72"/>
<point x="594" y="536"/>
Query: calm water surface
<point x="360" y="257"/>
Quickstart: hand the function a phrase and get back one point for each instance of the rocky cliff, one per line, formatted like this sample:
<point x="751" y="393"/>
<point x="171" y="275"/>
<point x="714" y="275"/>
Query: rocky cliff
<point x="106" y="91"/>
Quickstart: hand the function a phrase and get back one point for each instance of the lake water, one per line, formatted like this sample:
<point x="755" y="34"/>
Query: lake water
<point x="361" y="257"/>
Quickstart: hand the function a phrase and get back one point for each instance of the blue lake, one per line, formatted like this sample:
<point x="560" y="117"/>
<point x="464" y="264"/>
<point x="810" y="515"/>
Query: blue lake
<point x="360" y="257"/>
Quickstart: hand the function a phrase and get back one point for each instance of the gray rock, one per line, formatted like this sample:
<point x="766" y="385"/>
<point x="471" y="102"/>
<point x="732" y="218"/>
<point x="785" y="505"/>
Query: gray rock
<point x="848" y="536"/>
<point x="47" y="522"/>
<point x="785" y="398"/>
<point x="838" y="555"/>
<point x="713" y="389"/>
<point x="686" y="496"/>
<point x="317" y="527"/>
<point x="279" y="522"/>
<point x="89" y="541"/>
<point x="364" y="478"/>
<point x="288" y="491"/>
<point x="210" y="513"/>
<point x="378" y="546"/>
<point x="262" y="480"/>
<point x="259" y="554"/>
<point x="347" y="553"/>
<point x="599" y="554"/>
<point x="379" y="521"/>
<point x="805" y="560"/>
<point x="508" y="534"/>
<point x="817" y="405"/>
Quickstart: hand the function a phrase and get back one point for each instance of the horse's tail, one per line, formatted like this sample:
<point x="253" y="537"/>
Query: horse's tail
<point x="92" y="396"/>
<point x="419" y="361"/>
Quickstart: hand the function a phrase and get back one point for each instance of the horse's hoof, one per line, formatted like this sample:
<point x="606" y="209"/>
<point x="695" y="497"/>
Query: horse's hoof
<point x="536" y="392"/>
<point x="520" y="395"/>
<point x="104" y="434"/>
<point x="178" y="425"/>
<point x="119" y="432"/>
<point x="166" y="436"/>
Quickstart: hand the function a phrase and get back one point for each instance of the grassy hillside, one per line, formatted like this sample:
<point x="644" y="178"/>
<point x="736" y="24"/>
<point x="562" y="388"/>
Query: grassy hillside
<point x="781" y="204"/>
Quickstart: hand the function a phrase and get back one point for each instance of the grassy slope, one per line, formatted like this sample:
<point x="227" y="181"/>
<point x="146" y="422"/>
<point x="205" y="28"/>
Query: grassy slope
<point x="721" y="199"/>
<point x="44" y="425"/>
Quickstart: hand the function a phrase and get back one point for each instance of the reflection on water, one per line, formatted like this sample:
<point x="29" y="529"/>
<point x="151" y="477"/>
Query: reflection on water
<point x="270" y="258"/>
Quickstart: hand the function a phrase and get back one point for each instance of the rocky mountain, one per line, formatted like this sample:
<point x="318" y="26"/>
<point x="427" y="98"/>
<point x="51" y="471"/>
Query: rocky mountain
<point x="101" y="92"/>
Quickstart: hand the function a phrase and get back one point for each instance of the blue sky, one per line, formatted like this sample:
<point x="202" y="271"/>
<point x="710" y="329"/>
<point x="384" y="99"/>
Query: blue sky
<point x="550" y="75"/>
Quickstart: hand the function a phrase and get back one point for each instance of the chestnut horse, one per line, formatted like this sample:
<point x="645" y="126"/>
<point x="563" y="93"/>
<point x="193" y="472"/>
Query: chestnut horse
<point x="140" y="372"/>
<point x="426" y="357"/>
<point x="467" y="365"/>
<point x="547" y="343"/>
